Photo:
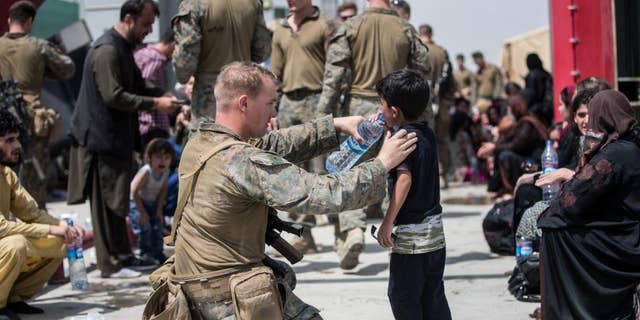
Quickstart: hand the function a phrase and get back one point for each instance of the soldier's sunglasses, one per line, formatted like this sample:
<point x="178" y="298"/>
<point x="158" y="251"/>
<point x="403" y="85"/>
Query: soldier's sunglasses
<point x="373" y="233"/>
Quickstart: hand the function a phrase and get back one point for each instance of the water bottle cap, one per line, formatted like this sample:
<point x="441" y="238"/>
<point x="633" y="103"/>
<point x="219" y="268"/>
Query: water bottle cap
<point x="69" y="222"/>
<point x="549" y="143"/>
<point x="380" y="117"/>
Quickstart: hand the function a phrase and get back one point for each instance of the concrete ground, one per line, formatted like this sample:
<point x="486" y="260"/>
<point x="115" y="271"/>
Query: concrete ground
<point x="475" y="279"/>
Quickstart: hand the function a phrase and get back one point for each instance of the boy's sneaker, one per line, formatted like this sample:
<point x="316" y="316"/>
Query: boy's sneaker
<point x="351" y="249"/>
<point x="124" y="273"/>
<point x="137" y="264"/>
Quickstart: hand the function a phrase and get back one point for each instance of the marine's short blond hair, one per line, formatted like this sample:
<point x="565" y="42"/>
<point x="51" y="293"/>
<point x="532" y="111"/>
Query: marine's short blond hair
<point x="239" y="78"/>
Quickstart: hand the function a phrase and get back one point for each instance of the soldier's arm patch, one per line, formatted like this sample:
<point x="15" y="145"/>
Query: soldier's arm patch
<point x="282" y="183"/>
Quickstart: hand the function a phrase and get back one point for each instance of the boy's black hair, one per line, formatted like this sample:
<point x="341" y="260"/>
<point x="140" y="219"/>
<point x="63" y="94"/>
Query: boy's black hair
<point x="407" y="90"/>
<point x="159" y="146"/>
<point x="135" y="7"/>
<point x="8" y="123"/>
<point x="22" y="11"/>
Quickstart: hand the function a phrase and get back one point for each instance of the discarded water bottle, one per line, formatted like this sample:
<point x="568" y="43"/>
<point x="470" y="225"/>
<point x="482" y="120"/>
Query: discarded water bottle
<point x="549" y="163"/>
<point x="351" y="150"/>
<point x="524" y="248"/>
<point x="77" y="270"/>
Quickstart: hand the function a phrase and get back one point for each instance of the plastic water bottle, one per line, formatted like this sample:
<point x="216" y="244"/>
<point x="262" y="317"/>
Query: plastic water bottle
<point x="351" y="150"/>
<point x="475" y="171"/>
<point x="77" y="270"/>
<point x="549" y="163"/>
<point x="524" y="248"/>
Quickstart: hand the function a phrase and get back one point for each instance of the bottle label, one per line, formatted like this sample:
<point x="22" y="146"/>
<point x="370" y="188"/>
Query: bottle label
<point x="548" y="168"/>
<point x="355" y="146"/>
<point x="524" y="248"/>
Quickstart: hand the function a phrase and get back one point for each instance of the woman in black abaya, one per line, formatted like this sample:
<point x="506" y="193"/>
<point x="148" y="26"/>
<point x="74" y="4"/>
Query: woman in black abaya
<point x="590" y="262"/>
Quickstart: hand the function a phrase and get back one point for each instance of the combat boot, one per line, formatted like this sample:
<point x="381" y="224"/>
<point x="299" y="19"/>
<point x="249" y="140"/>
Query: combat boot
<point x="351" y="249"/>
<point x="305" y="244"/>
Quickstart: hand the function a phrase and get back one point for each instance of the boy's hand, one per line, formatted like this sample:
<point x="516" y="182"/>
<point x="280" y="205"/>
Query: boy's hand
<point x="384" y="234"/>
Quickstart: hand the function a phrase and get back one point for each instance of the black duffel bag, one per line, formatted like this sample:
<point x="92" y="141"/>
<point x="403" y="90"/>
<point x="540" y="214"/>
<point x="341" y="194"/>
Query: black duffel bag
<point x="524" y="283"/>
<point x="497" y="227"/>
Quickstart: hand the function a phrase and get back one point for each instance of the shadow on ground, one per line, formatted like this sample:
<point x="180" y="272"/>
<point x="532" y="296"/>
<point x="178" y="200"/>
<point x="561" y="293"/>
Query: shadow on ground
<point x="107" y="296"/>
<point x="470" y="256"/>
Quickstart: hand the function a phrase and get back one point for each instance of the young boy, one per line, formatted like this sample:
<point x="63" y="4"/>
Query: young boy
<point x="148" y="192"/>
<point x="416" y="287"/>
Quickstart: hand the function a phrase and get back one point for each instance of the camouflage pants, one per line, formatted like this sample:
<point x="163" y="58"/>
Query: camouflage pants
<point x="33" y="175"/>
<point x="203" y="105"/>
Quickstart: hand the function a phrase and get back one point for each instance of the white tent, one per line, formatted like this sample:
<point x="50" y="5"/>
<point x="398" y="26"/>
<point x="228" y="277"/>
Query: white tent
<point x="516" y="49"/>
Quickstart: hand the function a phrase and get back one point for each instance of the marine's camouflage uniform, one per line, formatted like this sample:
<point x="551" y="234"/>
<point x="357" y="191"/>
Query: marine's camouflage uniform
<point x="190" y="40"/>
<point x="224" y="222"/>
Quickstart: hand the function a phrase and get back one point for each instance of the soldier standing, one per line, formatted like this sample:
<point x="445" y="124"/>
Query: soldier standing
<point x="298" y="52"/>
<point x="488" y="82"/>
<point x="28" y="60"/>
<point x="464" y="77"/>
<point x="369" y="54"/>
<point x="210" y="34"/>
<point x="443" y="94"/>
<point x="219" y="228"/>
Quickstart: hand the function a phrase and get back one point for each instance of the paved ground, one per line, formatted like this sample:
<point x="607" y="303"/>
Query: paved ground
<point x="475" y="279"/>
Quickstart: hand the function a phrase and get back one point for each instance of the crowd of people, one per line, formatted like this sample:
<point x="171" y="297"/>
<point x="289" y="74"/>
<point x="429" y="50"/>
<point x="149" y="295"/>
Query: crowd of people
<point x="248" y="129"/>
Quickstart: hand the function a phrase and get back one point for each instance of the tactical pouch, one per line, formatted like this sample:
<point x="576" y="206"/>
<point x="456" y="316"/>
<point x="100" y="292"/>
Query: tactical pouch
<point x="168" y="302"/>
<point x="46" y="123"/>
<point x="255" y="295"/>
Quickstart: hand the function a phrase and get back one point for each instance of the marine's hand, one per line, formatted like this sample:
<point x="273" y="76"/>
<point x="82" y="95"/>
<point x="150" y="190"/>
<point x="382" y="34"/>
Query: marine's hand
<point x="349" y="125"/>
<point x="396" y="148"/>
<point x="384" y="234"/>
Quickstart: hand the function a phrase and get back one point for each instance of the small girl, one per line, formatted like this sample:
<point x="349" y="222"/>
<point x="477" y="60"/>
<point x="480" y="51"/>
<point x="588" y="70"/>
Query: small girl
<point x="148" y="193"/>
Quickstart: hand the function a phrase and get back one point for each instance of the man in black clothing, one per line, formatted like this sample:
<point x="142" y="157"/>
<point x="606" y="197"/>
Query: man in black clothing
<point x="104" y="126"/>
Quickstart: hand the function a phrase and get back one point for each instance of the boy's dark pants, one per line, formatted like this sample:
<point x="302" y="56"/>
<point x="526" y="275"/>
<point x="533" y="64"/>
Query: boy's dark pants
<point x="416" y="287"/>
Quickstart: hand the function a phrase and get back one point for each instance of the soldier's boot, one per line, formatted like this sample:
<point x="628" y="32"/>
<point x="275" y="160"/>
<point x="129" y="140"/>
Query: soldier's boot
<point x="351" y="249"/>
<point x="305" y="244"/>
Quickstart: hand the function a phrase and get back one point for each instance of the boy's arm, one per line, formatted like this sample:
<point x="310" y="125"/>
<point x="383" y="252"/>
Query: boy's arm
<point x="162" y="198"/>
<point x="399" y="195"/>
<point x="138" y="182"/>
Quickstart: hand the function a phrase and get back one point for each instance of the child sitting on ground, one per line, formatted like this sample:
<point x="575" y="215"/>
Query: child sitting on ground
<point x="148" y="193"/>
<point x="416" y="287"/>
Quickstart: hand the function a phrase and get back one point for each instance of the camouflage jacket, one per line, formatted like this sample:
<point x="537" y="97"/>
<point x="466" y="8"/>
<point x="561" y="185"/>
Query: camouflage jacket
<point x="224" y="221"/>
<point x="341" y="59"/>
<point x="29" y="60"/>
<point x="212" y="33"/>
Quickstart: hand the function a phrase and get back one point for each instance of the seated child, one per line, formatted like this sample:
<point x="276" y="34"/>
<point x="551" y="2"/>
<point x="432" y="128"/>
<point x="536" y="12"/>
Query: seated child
<point x="148" y="194"/>
<point x="416" y="287"/>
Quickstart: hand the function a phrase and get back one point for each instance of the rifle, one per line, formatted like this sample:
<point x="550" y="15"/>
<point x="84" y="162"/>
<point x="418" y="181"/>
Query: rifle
<point x="274" y="240"/>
